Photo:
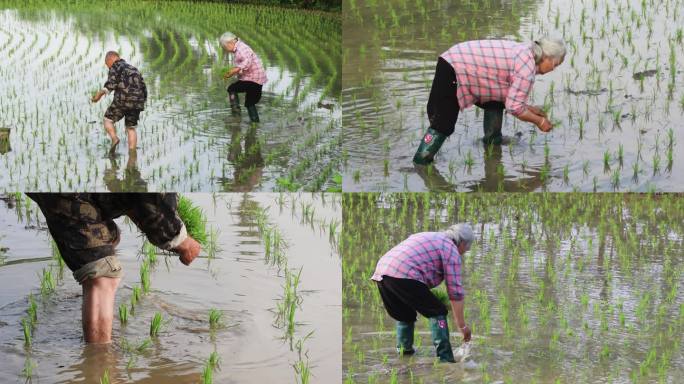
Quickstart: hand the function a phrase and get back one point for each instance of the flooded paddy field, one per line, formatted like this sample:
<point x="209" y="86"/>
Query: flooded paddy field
<point x="188" y="139"/>
<point x="617" y="101"/>
<point x="275" y="303"/>
<point x="560" y="288"/>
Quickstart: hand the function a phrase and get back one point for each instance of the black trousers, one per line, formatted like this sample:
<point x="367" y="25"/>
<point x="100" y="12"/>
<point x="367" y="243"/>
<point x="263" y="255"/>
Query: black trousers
<point x="251" y="89"/>
<point x="442" y="106"/>
<point x="404" y="297"/>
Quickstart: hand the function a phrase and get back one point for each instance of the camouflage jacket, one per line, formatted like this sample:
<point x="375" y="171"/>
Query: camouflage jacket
<point x="129" y="85"/>
<point x="82" y="224"/>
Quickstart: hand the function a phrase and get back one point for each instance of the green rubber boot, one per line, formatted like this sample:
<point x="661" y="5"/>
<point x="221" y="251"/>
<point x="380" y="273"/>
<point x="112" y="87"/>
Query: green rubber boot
<point x="405" y="338"/>
<point x="253" y="115"/>
<point x="493" y="120"/>
<point x="234" y="102"/>
<point x="429" y="146"/>
<point x="440" y="338"/>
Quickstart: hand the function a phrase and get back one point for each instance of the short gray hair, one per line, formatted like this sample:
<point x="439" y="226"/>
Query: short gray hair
<point x="459" y="233"/>
<point x="549" y="47"/>
<point x="226" y="38"/>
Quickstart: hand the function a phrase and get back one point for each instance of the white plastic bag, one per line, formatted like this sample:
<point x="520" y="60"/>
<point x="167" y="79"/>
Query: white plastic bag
<point x="463" y="353"/>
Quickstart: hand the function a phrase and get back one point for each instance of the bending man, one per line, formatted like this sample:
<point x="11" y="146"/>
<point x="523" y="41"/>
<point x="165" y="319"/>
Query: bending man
<point x="129" y="99"/>
<point x="406" y="274"/>
<point x="83" y="227"/>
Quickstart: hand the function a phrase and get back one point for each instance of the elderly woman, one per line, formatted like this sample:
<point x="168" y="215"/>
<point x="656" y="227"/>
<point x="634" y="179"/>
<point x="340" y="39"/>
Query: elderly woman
<point x="406" y="274"/>
<point x="250" y="73"/>
<point x="492" y="74"/>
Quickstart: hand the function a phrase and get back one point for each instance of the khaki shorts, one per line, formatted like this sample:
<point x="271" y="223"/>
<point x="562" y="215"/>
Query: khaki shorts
<point x="105" y="267"/>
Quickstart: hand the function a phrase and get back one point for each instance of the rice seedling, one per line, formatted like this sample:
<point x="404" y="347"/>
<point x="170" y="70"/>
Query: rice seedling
<point x="290" y="301"/>
<point x="194" y="219"/>
<point x="145" y="276"/>
<point x="214" y="360"/>
<point x="211" y="247"/>
<point x="26" y="328"/>
<point x="208" y="374"/>
<point x="47" y="282"/>
<point x="32" y="310"/>
<point x="123" y="314"/>
<point x="442" y="296"/>
<point x="156" y="324"/>
<point x="27" y="370"/>
<point x="105" y="377"/>
<point x="215" y="318"/>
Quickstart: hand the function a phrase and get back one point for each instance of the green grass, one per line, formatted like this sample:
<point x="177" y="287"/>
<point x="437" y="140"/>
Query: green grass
<point x="156" y="324"/>
<point x="194" y="219"/>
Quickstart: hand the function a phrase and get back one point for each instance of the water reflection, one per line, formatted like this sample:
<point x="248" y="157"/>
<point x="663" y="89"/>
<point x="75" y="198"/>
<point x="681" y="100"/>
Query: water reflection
<point x="244" y="152"/>
<point x="494" y="179"/>
<point x="132" y="180"/>
<point x="4" y="141"/>
<point x="94" y="361"/>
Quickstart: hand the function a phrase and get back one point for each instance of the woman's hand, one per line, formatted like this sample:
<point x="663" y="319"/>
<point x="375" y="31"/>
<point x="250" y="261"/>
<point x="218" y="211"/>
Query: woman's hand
<point x="467" y="334"/>
<point x="536" y="110"/>
<point x="544" y="124"/>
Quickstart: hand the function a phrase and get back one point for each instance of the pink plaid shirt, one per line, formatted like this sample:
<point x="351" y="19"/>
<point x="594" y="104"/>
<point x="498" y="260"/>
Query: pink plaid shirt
<point x="249" y="64"/>
<point x="429" y="257"/>
<point x="493" y="70"/>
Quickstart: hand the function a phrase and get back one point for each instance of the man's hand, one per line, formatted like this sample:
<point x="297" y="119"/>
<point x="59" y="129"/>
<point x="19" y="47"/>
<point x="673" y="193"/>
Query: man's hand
<point x="97" y="96"/>
<point x="544" y="125"/>
<point x="188" y="250"/>
<point x="536" y="110"/>
<point x="466" y="334"/>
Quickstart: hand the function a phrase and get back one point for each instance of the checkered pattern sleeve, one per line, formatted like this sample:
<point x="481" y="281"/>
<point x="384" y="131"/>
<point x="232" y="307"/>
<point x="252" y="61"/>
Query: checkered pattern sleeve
<point x="244" y="57"/>
<point x="452" y="272"/>
<point x="524" y="70"/>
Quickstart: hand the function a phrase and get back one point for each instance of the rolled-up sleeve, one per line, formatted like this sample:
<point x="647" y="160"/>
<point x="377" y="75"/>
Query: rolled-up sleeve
<point x="157" y="216"/>
<point x="452" y="273"/>
<point x="524" y="71"/>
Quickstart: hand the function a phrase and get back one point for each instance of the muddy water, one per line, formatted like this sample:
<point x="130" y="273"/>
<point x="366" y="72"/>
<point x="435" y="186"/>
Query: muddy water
<point x="604" y="96"/>
<point x="559" y="288"/>
<point x="187" y="137"/>
<point x="238" y="282"/>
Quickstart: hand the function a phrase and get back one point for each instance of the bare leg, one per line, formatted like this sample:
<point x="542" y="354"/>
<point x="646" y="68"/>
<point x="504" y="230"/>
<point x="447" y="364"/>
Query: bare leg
<point x="109" y="127"/>
<point x="132" y="138"/>
<point x="98" y="309"/>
